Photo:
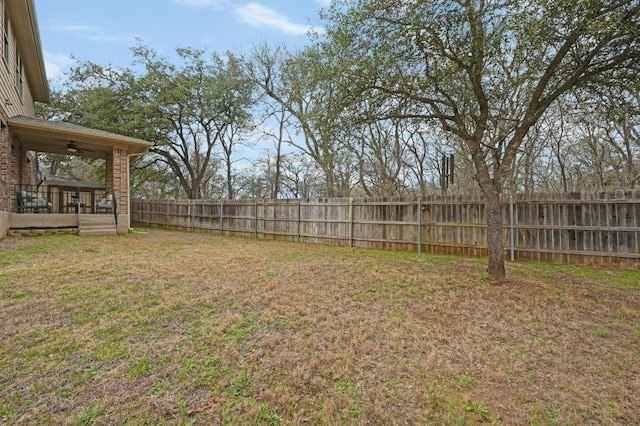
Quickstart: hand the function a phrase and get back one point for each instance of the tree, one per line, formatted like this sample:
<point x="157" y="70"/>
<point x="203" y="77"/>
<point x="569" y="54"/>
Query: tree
<point x="299" y="85"/>
<point x="621" y="128"/>
<point x="301" y="177"/>
<point x="197" y="108"/>
<point x="194" y="112"/>
<point x="485" y="70"/>
<point x="279" y="135"/>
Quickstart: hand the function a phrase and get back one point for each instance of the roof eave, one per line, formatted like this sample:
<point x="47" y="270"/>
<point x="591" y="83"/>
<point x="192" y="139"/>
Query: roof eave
<point x="68" y="131"/>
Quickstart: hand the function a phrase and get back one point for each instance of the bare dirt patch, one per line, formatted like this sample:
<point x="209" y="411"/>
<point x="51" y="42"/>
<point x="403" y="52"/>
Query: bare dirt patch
<point x="176" y="328"/>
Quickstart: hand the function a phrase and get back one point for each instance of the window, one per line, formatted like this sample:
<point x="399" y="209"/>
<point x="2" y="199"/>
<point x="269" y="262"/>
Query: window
<point x="19" y="73"/>
<point x="5" y="31"/>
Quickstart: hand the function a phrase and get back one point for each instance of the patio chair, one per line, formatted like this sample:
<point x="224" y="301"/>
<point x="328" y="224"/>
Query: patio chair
<point x="104" y="205"/>
<point x="31" y="201"/>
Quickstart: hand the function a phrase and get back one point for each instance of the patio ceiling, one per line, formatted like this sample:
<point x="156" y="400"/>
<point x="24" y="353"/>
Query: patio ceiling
<point x="57" y="137"/>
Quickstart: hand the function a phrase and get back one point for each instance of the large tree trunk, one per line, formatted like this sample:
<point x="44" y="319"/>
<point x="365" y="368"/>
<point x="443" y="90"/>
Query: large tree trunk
<point x="495" y="245"/>
<point x="330" y="183"/>
<point x="491" y="188"/>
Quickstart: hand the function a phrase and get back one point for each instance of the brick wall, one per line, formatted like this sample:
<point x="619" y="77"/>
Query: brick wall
<point x="17" y="166"/>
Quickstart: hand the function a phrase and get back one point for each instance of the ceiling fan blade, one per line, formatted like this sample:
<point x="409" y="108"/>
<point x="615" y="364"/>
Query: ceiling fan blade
<point x="73" y="148"/>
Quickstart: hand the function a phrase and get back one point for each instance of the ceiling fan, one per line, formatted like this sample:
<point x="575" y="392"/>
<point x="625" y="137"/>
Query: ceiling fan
<point x="73" y="148"/>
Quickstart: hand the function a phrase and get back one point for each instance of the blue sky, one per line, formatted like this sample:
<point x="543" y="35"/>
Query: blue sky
<point x="103" y="31"/>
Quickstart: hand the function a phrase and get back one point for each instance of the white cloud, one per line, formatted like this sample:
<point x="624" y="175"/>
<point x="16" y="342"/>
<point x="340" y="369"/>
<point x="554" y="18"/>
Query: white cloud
<point x="95" y="33"/>
<point x="70" y="28"/>
<point x="127" y="39"/>
<point x="261" y="16"/>
<point x="56" y="65"/>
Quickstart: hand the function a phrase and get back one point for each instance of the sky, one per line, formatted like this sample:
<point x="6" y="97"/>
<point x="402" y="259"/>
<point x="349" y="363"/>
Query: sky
<point x="104" y="31"/>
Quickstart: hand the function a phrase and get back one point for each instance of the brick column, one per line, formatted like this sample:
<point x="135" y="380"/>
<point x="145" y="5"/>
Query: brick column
<point x="109" y="171"/>
<point x="117" y="178"/>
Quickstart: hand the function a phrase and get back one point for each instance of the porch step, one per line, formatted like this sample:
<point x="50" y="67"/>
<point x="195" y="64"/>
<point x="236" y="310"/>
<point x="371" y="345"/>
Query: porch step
<point x="97" y="224"/>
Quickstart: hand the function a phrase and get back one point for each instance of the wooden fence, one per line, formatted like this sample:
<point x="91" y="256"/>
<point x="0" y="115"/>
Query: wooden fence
<point x="591" y="228"/>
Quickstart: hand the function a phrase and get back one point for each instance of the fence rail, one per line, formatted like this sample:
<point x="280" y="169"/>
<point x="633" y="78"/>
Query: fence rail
<point x="578" y="228"/>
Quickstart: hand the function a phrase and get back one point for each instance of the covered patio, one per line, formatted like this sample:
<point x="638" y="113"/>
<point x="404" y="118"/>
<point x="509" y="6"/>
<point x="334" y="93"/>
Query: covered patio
<point x="60" y="203"/>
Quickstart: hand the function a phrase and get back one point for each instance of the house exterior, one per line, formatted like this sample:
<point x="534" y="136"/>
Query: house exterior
<point x="23" y="82"/>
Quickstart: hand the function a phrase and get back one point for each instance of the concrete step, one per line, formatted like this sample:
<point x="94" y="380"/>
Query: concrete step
<point x="97" y="218"/>
<point x="103" y="227"/>
<point x="99" y="224"/>
<point x="97" y="232"/>
<point x="92" y="224"/>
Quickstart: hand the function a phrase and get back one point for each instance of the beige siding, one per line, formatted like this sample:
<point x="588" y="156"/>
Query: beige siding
<point x="12" y="103"/>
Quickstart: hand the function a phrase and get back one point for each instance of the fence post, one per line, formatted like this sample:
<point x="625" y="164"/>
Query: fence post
<point x="351" y="221"/>
<point x="188" y="216"/>
<point x="193" y="215"/>
<point x="255" y="210"/>
<point x="148" y="212"/>
<point x="298" y="224"/>
<point x="168" y="218"/>
<point x="221" y="216"/>
<point x="512" y="226"/>
<point x="420" y="225"/>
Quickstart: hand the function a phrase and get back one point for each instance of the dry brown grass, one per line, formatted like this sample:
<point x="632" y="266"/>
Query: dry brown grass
<point x="176" y="328"/>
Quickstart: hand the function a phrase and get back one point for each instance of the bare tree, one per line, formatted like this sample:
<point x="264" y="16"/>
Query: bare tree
<point x="298" y="85"/>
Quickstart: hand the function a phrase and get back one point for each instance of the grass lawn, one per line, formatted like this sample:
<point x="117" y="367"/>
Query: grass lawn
<point x="171" y="328"/>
